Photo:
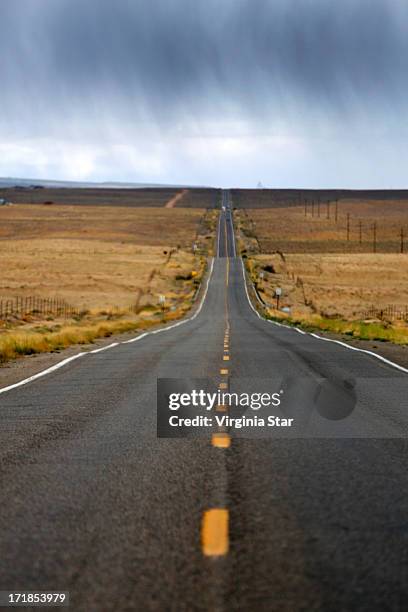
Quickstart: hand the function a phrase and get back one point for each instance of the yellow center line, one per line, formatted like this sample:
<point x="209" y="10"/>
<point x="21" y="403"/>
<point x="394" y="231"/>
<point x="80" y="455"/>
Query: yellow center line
<point x="214" y="532"/>
<point x="224" y="371"/>
<point x="228" y="266"/>
<point x="226" y="237"/>
<point x="215" y="522"/>
<point x="221" y="440"/>
<point x="222" y="408"/>
<point x="227" y="274"/>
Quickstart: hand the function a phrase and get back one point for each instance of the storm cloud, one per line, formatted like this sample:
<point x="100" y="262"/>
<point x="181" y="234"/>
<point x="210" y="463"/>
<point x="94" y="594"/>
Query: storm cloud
<point x="292" y="92"/>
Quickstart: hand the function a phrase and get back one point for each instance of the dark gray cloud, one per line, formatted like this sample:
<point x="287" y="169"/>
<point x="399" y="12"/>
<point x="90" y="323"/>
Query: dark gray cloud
<point x="117" y="66"/>
<point x="178" y="53"/>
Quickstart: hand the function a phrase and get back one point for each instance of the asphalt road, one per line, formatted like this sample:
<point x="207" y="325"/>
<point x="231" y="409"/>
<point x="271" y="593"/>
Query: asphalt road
<point x="93" y="503"/>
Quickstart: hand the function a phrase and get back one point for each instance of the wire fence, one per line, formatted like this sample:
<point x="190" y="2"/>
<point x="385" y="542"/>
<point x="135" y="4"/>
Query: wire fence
<point x="20" y="306"/>
<point x="390" y="312"/>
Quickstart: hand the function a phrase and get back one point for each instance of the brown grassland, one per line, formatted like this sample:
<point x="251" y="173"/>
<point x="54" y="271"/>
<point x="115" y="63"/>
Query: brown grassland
<point x="289" y="230"/>
<point x="328" y="281"/>
<point x="111" y="263"/>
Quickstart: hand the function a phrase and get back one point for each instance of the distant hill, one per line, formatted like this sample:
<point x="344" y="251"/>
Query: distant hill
<point x="27" y="183"/>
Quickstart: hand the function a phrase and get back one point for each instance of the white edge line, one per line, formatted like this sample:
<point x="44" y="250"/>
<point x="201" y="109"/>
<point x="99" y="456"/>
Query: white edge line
<point x="219" y="233"/>
<point x="134" y="339"/>
<point x="246" y="291"/>
<point x="258" y="298"/>
<point x="43" y="373"/>
<point x="64" y="362"/>
<point x="301" y="331"/>
<point x="354" y="348"/>
<point x="232" y="227"/>
<point x="104" y="348"/>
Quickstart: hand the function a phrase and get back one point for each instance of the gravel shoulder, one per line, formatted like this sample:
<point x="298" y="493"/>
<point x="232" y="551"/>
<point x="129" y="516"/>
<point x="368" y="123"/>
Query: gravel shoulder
<point x="24" y="367"/>
<point x="394" y="352"/>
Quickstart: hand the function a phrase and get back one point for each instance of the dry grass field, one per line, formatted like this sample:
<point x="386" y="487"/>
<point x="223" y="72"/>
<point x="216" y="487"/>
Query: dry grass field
<point x="95" y="257"/>
<point x="289" y="230"/>
<point x="148" y="226"/>
<point x="107" y="262"/>
<point x="333" y="285"/>
<point x="91" y="274"/>
<point x="324" y="276"/>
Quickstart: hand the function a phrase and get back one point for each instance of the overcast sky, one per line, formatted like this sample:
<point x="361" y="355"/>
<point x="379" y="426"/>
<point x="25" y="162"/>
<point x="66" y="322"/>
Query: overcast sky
<point x="213" y="92"/>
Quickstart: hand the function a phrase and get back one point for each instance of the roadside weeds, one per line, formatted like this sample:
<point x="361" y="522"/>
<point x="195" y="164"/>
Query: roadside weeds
<point x="371" y="330"/>
<point x="361" y="330"/>
<point x="18" y="343"/>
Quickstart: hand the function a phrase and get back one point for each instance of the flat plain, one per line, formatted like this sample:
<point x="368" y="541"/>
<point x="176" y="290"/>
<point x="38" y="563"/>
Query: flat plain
<point x="374" y="224"/>
<point x="95" y="257"/>
<point x="111" y="265"/>
<point x="328" y="264"/>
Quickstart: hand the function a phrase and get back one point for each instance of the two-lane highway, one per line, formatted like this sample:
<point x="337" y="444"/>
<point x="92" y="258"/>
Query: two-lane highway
<point x="92" y="502"/>
<point x="226" y="238"/>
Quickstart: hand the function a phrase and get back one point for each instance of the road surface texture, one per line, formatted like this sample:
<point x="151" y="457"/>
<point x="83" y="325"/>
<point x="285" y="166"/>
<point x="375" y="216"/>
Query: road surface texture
<point x="93" y="503"/>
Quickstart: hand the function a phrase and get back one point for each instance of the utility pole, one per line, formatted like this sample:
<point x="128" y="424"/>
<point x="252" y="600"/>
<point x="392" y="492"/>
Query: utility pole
<point x="336" y="211"/>
<point x="402" y="239"/>
<point x="360" y="232"/>
<point x="312" y="208"/>
<point x="318" y="207"/>
<point x="348" y="227"/>
<point x="305" y="207"/>
<point x="328" y="209"/>
<point x="375" y="237"/>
